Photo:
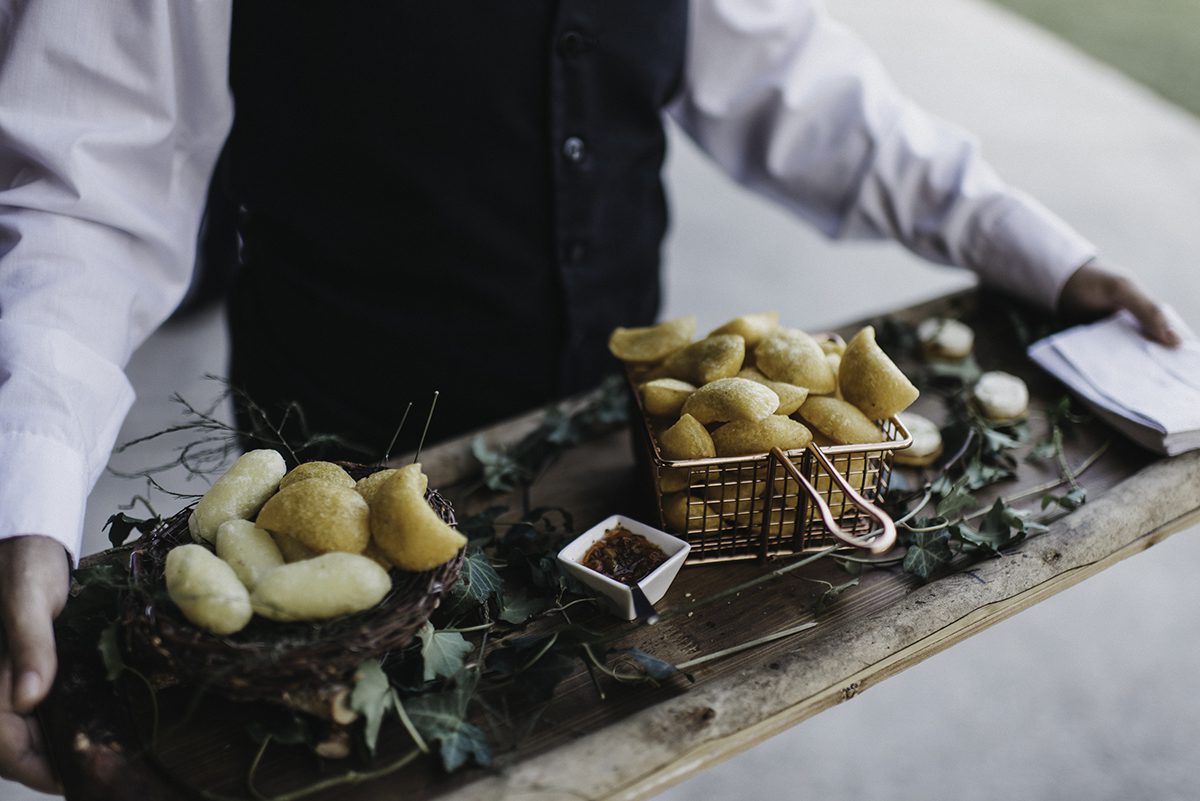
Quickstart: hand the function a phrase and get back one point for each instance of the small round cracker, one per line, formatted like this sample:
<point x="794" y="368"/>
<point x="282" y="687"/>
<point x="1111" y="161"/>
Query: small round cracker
<point x="927" y="441"/>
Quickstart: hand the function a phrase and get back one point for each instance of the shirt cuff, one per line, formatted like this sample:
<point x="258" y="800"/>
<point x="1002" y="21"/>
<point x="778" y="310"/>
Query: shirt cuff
<point x="43" y="489"/>
<point x="1028" y="251"/>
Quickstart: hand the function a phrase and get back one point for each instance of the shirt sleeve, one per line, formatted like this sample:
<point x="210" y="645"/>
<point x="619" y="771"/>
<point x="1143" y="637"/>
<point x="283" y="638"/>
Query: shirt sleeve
<point x="111" y="118"/>
<point x="794" y="106"/>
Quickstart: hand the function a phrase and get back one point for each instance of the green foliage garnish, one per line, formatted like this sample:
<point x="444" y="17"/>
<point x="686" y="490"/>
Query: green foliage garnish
<point x="478" y="580"/>
<point x="441" y="717"/>
<point x="927" y="552"/>
<point x="121" y="525"/>
<point x="442" y="652"/>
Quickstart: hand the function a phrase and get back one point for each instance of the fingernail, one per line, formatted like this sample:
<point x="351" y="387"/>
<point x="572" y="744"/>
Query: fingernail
<point x="28" y="690"/>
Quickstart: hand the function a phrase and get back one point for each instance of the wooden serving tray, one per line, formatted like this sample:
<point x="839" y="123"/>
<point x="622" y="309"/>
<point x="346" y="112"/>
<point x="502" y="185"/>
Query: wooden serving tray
<point x="640" y="740"/>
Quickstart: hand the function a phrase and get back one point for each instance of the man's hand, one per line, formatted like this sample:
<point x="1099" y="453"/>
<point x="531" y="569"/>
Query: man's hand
<point x="34" y="577"/>
<point x="1095" y="291"/>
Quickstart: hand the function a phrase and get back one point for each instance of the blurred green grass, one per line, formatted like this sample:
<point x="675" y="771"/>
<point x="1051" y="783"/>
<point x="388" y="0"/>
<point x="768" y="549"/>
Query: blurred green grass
<point x="1155" y="42"/>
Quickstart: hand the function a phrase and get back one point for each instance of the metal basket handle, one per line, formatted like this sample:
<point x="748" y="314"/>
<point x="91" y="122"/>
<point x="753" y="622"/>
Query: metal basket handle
<point x="877" y="544"/>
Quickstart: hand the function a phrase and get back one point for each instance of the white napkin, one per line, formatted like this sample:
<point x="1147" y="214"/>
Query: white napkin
<point x="1149" y="391"/>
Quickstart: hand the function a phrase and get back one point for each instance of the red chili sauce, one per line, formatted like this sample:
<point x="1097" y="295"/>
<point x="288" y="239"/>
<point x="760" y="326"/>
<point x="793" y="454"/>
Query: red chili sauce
<point x="623" y="556"/>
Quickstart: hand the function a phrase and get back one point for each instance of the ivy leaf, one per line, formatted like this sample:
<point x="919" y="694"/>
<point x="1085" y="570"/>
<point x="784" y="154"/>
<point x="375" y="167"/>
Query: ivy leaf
<point x="442" y="652"/>
<point x="481" y="526"/>
<point x="657" y="669"/>
<point x="996" y="440"/>
<point x="1071" y="500"/>
<point x="478" y="580"/>
<point x="980" y="474"/>
<point x="610" y="409"/>
<point x="518" y="606"/>
<point x="534" y="663"/>
<point x="1046" y="449"/>
<point x="110" y="652"/>
<point x="121" y="525"/>
<point x="1002" y="526"/>
<point x="964" y="371"/>
<point x="501" y="471"/>
<point x="441" y="718"/>
<point x="282" y="726"/>
<point x="853" y="568"/>
<point x="927" y="551"/>
<point x="955" y="498"/>
<point x="830" y="596"/>
<point x="560" y="428"/>
<point x="941" y="486"/>
<point x="371" y="698"/>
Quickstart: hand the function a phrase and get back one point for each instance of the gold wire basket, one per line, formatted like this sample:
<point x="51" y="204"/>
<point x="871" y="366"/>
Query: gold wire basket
<point x="777" y="503"/>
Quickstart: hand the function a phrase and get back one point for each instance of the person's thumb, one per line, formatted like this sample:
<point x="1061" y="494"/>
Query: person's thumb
<point x="33" y="594"/>
<point x="1150" y="315"/>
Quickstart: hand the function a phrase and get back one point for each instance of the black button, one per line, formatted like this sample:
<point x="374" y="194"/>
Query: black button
<point x="574" y="252"/>
<point x="574" y="149"/>
<point x="571" y="44"/>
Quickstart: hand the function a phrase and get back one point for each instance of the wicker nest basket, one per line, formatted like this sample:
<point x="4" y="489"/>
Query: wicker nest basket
<point x="269" y="660"/>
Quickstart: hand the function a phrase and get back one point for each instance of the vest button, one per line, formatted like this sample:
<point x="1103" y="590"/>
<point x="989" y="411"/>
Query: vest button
<point x="570" y="44"/>
<point x="574" y="252"/>
<point x="574" y="149"/>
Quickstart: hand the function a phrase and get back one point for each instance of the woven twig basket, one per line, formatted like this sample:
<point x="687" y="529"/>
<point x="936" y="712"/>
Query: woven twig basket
<point x="268" y="660"/>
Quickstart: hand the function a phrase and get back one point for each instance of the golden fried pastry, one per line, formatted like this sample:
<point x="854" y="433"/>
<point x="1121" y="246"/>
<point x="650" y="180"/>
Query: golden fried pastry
<point x="673" y="479"/>
<point x="651" y="344"/>
<point x="682" y="512"/>
<point x="206" y="590"/>
<point x="731" y="399"/>
<point x="714" y="357"/>
<point x="409" y="532"/>
<point x="369" y="485"/>
<point x="322" y="516"/>
<point x="834" y="360"/>
<point x="327" y="586"/>
<point x="376" y="555"/>
<point x="237" y="495"/>
<point x="292" y="549"/>
<point x="664" y="397"/>
<point x="790" y="395"/>
<point x="687" y="439"/>
<point x="832" y="347"/>
<point x="732" y="498"/>
<point x="324" y="471"/>
<point x="248" y="549"/>
<point x="753" y="328"/>
<point x="871" y="381"/>
<point x="842" y="422"/>
<point x="792" y="356"/>
<point x="744" y="437"/>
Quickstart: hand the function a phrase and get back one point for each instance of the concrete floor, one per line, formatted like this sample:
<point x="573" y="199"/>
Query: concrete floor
<point x="1088" y="694"/>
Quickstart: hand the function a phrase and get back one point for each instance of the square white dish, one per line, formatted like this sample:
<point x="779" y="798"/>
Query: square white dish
<point x="618" y="596"/>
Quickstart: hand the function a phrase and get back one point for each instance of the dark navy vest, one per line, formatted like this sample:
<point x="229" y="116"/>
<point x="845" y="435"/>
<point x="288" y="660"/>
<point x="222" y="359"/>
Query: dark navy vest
<point x="461" y="195"/>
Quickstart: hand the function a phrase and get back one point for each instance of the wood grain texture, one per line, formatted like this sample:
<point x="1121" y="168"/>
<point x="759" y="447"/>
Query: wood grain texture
<point x="639" y="740"/>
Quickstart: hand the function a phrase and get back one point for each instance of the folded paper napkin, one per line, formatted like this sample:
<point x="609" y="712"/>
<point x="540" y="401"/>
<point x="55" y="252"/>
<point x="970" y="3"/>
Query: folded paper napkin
<point x="1149" y="392"/>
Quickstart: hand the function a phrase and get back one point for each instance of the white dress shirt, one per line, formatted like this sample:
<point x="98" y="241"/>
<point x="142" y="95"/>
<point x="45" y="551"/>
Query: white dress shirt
<point x="112" y="115"/>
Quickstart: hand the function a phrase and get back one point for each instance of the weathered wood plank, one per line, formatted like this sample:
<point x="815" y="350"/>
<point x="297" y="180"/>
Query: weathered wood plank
<point x="641" y="740"/>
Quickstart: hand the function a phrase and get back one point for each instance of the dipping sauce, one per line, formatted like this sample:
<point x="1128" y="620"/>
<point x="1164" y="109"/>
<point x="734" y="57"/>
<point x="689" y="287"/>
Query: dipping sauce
<point x="623" y="556"/>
